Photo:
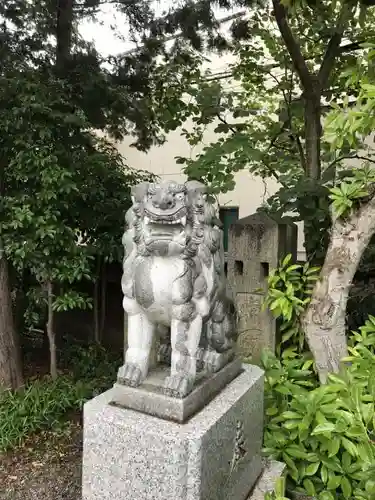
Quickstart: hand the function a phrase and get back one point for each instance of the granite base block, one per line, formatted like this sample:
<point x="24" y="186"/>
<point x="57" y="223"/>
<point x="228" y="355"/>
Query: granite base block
<point x="216" y="455"/>
<point x="266" y="483"/>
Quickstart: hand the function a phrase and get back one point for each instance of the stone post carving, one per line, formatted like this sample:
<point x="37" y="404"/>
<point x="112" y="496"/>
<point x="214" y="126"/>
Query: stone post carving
<point x="257" y="243"/>
<point x="174" y="285"/>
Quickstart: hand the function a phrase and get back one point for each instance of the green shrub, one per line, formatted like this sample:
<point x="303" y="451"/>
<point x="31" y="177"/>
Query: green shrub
<point x="41" y="404"/>
<point x="324" y="434"/>
<point x="92" y="363"/>
<point x="279" y="491"/>
<point x="288" y="293"/>
<point x="44" y="404"/>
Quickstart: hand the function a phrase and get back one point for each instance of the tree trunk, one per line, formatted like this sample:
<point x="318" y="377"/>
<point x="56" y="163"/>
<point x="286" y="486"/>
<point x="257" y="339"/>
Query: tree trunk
<point x="64" y="31"/>
<point x="11" y="376"/>
<point x="313" y="133"/>
<point x="51" y="332"/>
<point x="96" y="303"/>
<point x="103" y="295"/>
<point x="324" y="320"/>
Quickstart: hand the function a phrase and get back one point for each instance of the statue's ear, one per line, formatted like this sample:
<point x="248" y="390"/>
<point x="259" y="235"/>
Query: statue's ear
<point x="139" y="191"/>
<point x="129" y="217"/>
<point x="195" y="186"/>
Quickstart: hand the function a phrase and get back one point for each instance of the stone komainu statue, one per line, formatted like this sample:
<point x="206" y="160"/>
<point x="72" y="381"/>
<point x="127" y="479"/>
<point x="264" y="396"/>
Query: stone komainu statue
<point x="174" y="282"/>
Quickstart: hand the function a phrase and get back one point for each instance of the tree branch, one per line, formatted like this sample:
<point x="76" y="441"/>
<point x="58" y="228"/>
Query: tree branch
<point x="333" y="48"/>
<point x="292" y="46"/>
<point x="350" y="157"/>
<point x="64" y="30"/>
<point x="223" y="120"/>
<point x="343" y="49"/>
<point x="349" y="47"/>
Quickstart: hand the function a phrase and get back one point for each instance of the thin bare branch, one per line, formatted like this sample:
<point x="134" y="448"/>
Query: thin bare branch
<point x="350" y="157"/>
<point x="343" y="49"/>
<point x="223" y="120"/>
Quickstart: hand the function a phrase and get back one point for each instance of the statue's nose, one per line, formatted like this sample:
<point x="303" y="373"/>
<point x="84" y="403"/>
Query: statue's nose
<point x="164" y="201"/>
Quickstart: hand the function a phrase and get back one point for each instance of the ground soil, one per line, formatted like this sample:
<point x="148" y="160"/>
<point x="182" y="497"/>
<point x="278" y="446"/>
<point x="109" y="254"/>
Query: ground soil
<point x="46" y="467"/>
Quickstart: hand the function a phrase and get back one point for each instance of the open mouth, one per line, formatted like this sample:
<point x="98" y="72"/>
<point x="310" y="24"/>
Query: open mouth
<point x="176" y="219"/>
<point x="163" y="231"/>
<point x="166" y="225"/>
<point x="161" y="222"/>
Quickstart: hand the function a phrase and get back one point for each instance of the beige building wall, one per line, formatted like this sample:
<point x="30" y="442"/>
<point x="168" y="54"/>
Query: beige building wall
<point x="250" y="191"/>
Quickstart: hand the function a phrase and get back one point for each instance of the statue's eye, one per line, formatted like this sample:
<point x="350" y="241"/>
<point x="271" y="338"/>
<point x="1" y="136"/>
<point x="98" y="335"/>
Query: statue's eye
<point x="180" y="196"/>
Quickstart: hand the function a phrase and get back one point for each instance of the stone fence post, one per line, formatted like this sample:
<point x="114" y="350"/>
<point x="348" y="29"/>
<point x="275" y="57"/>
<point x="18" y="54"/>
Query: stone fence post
<point x="256" y="245"/>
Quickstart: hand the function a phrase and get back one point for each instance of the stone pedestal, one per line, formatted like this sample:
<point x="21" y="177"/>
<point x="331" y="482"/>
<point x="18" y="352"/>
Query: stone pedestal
<point x="213" y="456"/>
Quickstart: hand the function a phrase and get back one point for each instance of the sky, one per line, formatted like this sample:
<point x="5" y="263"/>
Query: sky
<point x="104" y="37"/>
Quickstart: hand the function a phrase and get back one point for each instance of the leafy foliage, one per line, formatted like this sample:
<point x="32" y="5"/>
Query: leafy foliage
<point x="90" y="362"/>
<point x="288" y="294"/>
<point x="350" y="124"/>
<point x="40" y="405"/>
<point x="64" y="190"/>
<point x="325" y="434"/>
<point x="279" y="492"/>
<point x="45" y="404"/>
<point x="352" y="191"/>
<point x="127" y="94"/>
<point x="262" y="113"/>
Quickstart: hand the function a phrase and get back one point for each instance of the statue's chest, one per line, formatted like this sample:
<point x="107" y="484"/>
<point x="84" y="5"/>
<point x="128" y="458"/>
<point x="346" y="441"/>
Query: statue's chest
<point x="156" y="280"/>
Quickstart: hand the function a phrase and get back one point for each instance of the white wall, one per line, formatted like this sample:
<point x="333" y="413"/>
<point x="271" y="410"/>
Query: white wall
<point x="250" y="191"/>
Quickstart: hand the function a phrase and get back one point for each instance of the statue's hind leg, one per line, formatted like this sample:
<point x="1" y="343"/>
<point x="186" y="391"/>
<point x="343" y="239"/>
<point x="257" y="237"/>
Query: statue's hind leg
<point x="220" y="350"/>
<point x="164" y="349"/>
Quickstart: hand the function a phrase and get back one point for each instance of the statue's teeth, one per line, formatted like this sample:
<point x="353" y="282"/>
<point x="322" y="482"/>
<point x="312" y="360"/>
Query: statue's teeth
<point x="147" y="220"/>
<point x="183" y="220"/>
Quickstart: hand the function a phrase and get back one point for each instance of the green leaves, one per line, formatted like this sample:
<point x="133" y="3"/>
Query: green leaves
<point x="43" y="404"/>
<point x="65" y="190"/>
<point x="288" y="293"/>
<point x="324" y="434"/>
<point x="324" y="429"/>
<point x="72" y="300"/>
<point x="279" y="492"/>
<point x="259" y="111"/>
<point x="348" y="125"/>
<point x="352" y="191"/>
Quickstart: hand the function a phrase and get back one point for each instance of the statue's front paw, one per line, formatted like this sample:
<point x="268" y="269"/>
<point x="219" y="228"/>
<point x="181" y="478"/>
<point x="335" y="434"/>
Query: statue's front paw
<point x="129" y="374"/>
<point x="178" y="386"/>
